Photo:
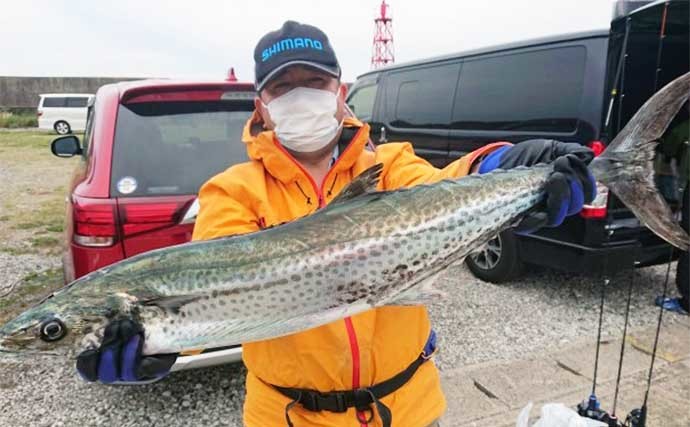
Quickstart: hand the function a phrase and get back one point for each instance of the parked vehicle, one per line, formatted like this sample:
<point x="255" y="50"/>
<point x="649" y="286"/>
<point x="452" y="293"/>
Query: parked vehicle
<point x="577" y="88"/>
<point x="63" y="112"/>
<point x="147" y="148"/>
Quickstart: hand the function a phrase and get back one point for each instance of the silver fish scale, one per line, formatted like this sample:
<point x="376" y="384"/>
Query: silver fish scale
<point x="338" y="262"/>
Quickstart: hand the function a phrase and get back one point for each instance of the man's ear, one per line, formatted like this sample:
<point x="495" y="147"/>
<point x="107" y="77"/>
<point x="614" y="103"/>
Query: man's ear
<point x="263" y="113"/>
<point x="342" y="91"/>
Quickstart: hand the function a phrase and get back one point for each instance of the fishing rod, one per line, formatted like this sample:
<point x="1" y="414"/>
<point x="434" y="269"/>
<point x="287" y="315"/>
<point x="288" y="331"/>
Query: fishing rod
<point x="591" y="408"/>
<point x="638" y="416"/>
<point x="623" y="340"/>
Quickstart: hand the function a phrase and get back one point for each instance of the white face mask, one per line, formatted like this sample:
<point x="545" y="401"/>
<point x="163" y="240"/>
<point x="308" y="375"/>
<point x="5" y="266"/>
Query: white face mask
<point x="305" y="118"/>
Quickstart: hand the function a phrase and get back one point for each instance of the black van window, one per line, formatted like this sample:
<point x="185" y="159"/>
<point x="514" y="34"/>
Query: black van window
<point x="532" y="91"/>
<point x="54" y="102"/>
<point x="422" y="97"/>
<point x="362" y="102"/>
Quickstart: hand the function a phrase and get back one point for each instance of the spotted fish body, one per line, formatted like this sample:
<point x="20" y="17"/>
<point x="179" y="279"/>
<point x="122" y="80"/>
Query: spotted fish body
<point x="365" y="250"/>
<point x="347" y="258"/>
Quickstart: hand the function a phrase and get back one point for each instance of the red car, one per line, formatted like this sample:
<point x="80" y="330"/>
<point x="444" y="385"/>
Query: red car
<point x="148" y="147"/>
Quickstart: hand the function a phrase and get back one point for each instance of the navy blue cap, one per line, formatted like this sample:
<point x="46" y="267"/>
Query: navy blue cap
<point x="293" y="44"/>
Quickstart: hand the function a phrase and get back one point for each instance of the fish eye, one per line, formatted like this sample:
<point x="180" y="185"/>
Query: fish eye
<point x="52" y="330"/>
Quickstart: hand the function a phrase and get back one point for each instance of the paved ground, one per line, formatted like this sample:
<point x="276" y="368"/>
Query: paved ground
<point x="493" y="394"/>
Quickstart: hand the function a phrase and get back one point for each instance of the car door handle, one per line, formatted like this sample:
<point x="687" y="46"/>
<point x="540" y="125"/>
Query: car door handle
<point x="383" y="138"/>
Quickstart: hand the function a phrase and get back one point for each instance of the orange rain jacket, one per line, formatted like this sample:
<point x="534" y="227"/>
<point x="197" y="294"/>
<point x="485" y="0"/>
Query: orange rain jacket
<point x="362" y="350"/>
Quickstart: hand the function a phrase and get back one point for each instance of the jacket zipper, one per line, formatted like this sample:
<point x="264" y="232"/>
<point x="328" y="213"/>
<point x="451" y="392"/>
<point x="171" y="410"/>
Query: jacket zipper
<point x="349" y="327"/>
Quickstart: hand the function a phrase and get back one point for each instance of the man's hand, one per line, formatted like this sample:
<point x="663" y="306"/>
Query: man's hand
<point x="119" y="358"/>
<point x="568" y="188"/>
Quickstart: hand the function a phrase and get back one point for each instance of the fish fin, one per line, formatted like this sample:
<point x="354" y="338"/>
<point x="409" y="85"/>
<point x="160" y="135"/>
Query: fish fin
<point x="172" y="304"/>
<point x="421" y="294"/>
<point x="652" y="119"/>
<point x="651" y="209"/>
<point x="364" y="183"/>
<point x="626" y="167"/>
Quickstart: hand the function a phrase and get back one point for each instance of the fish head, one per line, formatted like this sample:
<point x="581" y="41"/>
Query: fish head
<point x="53" y="328"/>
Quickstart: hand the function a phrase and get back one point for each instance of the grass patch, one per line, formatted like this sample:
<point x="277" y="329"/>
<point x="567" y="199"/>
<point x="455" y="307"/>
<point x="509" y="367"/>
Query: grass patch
<point x="32" y="288"/>
<point x="33" y="139"/>
<point x="27" y="225"/>
<point x="55" y="228"/>
<point x="44" y="242"/>
<point x="33" y="200"/>
<point x="23" y="140"/>
<point x="48" y="217"/>
<point x="13" y="250"/>
<point x="13" y="121"/>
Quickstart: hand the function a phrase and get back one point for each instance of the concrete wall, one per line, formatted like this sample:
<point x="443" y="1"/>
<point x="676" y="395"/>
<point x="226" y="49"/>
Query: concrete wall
<point x="22" y="92"/>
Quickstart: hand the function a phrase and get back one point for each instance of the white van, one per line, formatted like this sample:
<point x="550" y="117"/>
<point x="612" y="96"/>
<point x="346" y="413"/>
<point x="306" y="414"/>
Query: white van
<point x="63" y="112"/>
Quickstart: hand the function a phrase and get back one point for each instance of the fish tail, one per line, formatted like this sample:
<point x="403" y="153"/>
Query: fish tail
<point x="627" y="165"/>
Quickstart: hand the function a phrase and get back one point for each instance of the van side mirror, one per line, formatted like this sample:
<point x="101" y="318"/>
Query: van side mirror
<point x="66" y="146"/>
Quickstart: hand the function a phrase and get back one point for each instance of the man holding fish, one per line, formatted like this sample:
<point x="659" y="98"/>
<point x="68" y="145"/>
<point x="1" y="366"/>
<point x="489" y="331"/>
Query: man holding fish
<point x="305" y="147"/>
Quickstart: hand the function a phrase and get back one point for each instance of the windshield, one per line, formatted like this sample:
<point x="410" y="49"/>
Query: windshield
<point x="172" y="148"/>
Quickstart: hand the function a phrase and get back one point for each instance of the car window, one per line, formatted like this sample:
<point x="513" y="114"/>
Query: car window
<point x="362" y="101"/>
<point x="422" y="97"/>
<point x="171" y="148"/>
<point x="88" y="132"/>
<point x="54" y="102"/>
<point x="531" y="91"/>
<point x="77" y="102"/>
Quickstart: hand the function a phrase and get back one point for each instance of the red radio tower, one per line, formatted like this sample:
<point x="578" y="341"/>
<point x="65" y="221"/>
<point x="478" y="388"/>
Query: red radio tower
<point x="382" y="53"/>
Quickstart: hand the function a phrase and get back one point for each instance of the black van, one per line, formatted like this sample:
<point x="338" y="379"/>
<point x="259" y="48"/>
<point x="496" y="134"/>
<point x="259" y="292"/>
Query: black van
<point x="576" y="88"/>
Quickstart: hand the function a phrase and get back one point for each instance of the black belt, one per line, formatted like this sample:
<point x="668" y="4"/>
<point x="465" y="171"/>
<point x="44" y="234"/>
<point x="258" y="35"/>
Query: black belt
<point x="361" y="399"/>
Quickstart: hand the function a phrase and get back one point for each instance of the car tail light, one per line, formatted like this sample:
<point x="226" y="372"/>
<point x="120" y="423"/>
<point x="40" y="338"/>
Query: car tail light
<point x="598" y="208"/>
<point x="597" y="146"/>
<point x="39" y="113"/>
<point x="141" y="215"/>
<point x="94" y="222"/>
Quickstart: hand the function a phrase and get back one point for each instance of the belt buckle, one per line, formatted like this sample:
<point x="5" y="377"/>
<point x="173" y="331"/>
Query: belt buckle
<point x="362" y="399"/>
<point x="311" y="402"/>
<point x="340" y="403"/>
<point x="430" y="355"/>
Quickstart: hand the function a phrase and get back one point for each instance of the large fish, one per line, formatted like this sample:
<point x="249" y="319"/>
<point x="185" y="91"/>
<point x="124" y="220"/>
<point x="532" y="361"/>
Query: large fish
<point x="366" y="249"/>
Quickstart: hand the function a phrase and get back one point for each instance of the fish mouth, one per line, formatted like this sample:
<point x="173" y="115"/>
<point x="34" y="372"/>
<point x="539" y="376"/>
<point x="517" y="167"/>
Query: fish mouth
<point x="4" y="351"/>
<point x="17" y="349"/>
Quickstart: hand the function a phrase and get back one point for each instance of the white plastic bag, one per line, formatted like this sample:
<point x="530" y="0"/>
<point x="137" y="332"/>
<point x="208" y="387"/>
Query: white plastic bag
<point x="555" y="415"/>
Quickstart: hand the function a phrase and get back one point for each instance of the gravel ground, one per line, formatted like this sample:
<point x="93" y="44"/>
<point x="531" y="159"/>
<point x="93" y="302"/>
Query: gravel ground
<point x="477" y="322"/>
<point x="15" y="267"/>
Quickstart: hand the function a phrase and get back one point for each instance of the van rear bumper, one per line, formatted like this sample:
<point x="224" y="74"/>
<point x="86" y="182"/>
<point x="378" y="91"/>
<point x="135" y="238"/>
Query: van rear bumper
<point x="574" y="258"/>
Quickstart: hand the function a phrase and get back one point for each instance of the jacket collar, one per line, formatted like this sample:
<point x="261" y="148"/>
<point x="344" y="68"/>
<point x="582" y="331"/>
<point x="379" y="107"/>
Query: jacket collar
<point x="264" y="146"/>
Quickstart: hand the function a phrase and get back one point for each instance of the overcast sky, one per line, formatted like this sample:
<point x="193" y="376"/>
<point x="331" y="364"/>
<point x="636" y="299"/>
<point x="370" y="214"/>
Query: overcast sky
<point x="203" y="38"/>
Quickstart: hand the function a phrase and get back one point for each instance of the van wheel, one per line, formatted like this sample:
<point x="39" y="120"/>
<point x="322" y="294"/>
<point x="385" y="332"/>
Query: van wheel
<point x="499" y="261"/>
<point x="62" y="128"/>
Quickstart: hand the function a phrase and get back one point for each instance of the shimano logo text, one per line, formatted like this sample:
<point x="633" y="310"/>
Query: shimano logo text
<point x="288" y="44"/>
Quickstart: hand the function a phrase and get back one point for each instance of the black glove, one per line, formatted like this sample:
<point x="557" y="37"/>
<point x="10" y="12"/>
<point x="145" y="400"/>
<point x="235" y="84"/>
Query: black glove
<point x="119" y="358"/>
<point x="568" y="188"/>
